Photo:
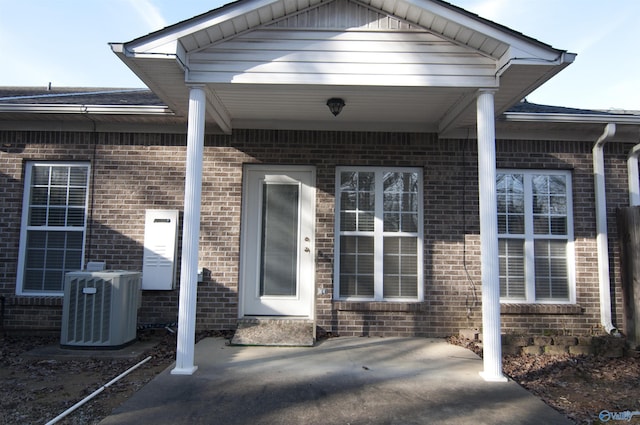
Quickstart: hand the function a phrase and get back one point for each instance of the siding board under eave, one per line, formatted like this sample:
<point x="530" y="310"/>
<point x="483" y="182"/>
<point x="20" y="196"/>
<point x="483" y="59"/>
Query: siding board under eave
<point x="308" y="57"/>
<point x="344" y="79"/>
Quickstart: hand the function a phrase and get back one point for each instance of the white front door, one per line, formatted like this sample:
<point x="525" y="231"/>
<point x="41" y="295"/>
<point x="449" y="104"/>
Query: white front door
<point x="277" y="254"/>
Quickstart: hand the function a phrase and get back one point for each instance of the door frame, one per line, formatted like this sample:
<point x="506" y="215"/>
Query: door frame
<point x="247" y="237"/>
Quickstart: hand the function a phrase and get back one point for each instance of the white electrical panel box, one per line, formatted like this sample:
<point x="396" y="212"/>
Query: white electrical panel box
<point x="160" y="250"/>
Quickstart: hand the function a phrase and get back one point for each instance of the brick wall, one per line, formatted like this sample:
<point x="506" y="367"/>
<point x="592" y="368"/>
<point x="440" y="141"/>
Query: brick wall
<point x="134" y="172"/>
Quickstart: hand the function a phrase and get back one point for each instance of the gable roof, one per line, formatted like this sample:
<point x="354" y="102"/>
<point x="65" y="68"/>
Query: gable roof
<point x="400" y="65"/>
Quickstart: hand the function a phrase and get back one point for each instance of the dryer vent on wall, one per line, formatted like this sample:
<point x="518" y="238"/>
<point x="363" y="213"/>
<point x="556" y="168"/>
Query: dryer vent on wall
<point x="160" y="249"/>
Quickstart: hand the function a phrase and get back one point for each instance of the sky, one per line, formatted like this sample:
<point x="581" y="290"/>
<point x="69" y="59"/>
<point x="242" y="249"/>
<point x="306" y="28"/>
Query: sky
<point x="65" y="42"/>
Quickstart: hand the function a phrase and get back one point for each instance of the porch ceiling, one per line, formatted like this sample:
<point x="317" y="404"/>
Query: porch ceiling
<point x="399" y="65"/>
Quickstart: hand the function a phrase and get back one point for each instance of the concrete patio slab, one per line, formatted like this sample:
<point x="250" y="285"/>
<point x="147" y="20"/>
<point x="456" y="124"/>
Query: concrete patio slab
<point x="338" y="381"/>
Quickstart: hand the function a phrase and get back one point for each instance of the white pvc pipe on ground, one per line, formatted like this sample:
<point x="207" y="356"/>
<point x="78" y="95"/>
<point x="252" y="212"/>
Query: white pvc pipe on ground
<point x="96" y="392"/>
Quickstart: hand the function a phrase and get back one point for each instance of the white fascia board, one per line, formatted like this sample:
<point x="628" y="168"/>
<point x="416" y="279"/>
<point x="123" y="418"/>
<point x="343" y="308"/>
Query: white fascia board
<point x="161" y="40"/>
<point x="505" y="36"/>
<point x="571" y="118"/>
<point x="86" y="109"/>
<point x="515" y="55"/>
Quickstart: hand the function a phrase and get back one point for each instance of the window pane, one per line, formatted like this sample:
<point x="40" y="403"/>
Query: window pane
<point x="558" y="225"/>
<point x="410" y="222"/>
<point x="37" y="216"/>
<point x="366" y="181"/>
<point x="77" y="196"/>
<point x="512" y="272"/>
<point x="356" y="266"/>
<point x="400" y="202"/>
<point x="75" y="217"/>
<point x="50" y="254"/>
<point x="35" y="258"/>
<point x="56" y="240"/>
<point x="73" y="260"/>
<point x="34" y="280"/>
<point x="348" y="180"/>
<point x="55" y="259"/>
<point x="79" y="176"/>
<point x="510" y="197"/>
<point x="59" y="176"/>
<point x="75" y="240"/>
<point x="53" y="280"/>
<point x="57" y="216"/>
<point x="58" y="196"/>
<point x="549" y="205"/>
<point x="366" y="222"/>
<point x="558" y="204"/>
<point x="400" y="265"/>
<point x="515" y="224"/>
<point x="392" y="201"/>
<point x="40" y="175"/>
<point x="39" y="196"/>
<point x="36" y="239"/>
<point x="391" y="222"/>
<point x="347" y="221"/>
<point x="348" y="201"/>
<point x="551" y="270"/>
<point x="357" y="201"/>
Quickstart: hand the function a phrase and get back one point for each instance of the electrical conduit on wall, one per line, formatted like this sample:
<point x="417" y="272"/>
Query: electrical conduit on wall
<point x="601" y="229"/>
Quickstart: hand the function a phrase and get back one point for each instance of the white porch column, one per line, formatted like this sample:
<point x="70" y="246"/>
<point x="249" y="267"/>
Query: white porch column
<point x="190" y="234"/>
<point x="490" y="265"/>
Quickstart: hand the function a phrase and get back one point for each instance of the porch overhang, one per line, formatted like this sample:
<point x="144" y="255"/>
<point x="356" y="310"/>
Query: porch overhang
<point x="408" y="65"/>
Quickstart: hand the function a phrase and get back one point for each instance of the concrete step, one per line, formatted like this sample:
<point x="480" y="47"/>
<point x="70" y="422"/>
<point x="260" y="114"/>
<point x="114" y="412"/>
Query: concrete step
<point x="289" y="332"/>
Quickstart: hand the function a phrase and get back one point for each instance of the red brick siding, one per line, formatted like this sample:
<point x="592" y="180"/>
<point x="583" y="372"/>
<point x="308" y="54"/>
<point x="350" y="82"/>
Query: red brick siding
<point x="134" y="172"/>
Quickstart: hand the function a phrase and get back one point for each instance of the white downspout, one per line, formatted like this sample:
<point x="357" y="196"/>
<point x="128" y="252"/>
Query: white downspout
<point x="601" y="229"/>
<point x="634" y="179"/>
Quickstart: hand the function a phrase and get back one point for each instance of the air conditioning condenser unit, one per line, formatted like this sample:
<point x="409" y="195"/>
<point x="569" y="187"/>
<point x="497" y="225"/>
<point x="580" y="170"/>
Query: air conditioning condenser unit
<point x="100" y="309"/>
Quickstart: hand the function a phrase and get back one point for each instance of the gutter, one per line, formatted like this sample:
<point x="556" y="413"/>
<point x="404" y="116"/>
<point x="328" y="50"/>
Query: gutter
<point x="85" y="109"/>
<point x="601" y="229"/>
<point x="572" y="118"/>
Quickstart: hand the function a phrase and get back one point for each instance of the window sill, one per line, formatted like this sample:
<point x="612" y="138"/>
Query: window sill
<point x="378" y="306"/>
<point x="36" y="300"/>
<point x="540" y="309"/>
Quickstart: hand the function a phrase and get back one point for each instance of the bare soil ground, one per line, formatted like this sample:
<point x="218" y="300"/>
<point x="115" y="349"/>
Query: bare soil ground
<point x="586" y="389"/>
<point x="34" y="391"/>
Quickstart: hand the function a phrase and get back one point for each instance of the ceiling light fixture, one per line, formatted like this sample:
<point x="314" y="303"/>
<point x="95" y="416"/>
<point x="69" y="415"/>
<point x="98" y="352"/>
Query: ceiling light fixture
<point x="335" y="105"/>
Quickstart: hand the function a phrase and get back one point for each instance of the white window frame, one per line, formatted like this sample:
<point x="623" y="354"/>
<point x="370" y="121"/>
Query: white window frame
<point x="24" y="226"/>
<point x="379" y="234"/>
<point x="529" y="238"/>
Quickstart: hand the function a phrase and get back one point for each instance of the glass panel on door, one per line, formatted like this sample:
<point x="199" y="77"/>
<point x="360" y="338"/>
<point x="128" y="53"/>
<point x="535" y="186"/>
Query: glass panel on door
<point x="279" y="240"/>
